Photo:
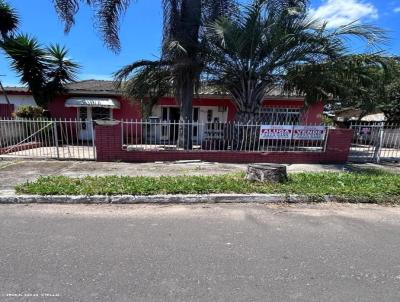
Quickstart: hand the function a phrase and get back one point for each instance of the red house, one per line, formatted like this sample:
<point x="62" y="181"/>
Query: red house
<point x="94" y="99"/>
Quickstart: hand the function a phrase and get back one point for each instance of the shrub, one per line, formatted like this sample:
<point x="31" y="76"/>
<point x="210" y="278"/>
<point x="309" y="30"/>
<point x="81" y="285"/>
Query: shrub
<point x="29" y="112"/>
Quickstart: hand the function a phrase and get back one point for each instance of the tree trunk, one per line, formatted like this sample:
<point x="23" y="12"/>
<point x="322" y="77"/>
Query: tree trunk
<point x="187" y="71"/>
<point x="185" y="100"/>
<point x="247" y="132"/>
<point x="267" y="173"/>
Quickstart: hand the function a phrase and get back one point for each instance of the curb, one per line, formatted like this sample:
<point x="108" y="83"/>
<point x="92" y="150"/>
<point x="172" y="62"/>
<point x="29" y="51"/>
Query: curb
<point x="160" y="199"/>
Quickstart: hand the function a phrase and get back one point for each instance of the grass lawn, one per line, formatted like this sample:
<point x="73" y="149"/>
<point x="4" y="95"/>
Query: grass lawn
<point x="369" y="185"/>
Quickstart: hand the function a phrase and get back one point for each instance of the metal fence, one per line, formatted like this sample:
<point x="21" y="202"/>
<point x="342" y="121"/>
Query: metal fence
<point x="47" y="138"/>
<point x="375" y="142"/>
<point x="155" y="135"/>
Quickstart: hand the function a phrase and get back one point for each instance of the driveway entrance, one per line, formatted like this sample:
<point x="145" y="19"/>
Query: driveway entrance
<point x="375" y="142"/>
<point x="49" y="139"/>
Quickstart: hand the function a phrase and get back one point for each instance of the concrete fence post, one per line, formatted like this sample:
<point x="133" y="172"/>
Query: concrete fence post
<point x="338" y="145"/>
<point x="108" y="142"/>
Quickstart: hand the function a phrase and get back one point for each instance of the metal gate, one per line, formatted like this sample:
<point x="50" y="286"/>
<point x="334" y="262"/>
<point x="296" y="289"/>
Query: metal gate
<point x="375" y="142"/>
<point x="47" y="138"/>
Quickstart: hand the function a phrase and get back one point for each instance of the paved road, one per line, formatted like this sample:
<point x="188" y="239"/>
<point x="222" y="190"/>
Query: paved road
<point x="200" y="253"/>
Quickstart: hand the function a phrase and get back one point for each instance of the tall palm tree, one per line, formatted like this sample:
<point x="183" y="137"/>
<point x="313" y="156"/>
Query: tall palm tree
<point x="43" y="70"/>
<point x="253" y="52"/>
<point x="9" y="20"/>
<point x="182" y="45"/>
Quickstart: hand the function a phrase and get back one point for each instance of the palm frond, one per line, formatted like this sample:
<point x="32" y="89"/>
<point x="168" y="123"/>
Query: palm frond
<point x="62" y="70"/>
<point x="66" y="10"/>
<point x="43" y="70"/>
<point x="109" y="15"/>
<point x="9" y="19"/>
<point x="126" y="71"/>
<point x="28" y="59"/>
<point x="261" y="45"/>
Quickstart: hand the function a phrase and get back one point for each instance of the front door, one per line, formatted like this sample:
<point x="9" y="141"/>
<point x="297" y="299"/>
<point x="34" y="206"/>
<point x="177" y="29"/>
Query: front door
<point x="85" y="126"/>
<point x="170" y="123"/>
<point x="174" y="115"/>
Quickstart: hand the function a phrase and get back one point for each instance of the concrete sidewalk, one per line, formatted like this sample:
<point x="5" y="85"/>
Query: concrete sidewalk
<point x="20" y="171"/>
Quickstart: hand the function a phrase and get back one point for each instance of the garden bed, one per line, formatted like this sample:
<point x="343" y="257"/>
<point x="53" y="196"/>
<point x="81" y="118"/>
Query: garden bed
<point x="374" y="186"/>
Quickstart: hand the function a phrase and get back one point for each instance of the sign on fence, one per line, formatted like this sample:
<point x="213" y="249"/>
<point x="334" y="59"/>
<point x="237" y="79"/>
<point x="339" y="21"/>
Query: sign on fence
<point x="276" y="132"/>
<point x="286" y="132"/>
<point x="313" y="133"/>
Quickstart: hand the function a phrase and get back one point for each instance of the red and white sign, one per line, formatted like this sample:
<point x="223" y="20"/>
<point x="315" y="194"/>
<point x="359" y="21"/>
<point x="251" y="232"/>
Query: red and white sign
<point x="314" y="133"/>
<point x="286" y="132"/>
<point x="276" y="132"/>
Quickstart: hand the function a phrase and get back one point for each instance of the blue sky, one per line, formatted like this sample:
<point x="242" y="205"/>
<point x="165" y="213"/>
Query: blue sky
<point x="141" y="31"/>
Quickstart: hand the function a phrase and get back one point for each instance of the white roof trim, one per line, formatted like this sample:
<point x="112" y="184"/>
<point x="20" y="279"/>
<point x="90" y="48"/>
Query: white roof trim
<point x="92" y="102"/>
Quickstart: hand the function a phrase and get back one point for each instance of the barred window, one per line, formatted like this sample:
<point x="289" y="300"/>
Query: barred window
<point x="280" y="116"/>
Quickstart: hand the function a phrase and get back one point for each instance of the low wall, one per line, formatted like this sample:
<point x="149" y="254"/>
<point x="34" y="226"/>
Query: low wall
<point x="17" y="148"/>
<point x="109" y="148"/>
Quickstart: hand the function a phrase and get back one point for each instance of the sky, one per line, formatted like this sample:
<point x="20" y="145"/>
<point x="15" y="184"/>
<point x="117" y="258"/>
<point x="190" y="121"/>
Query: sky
<point x="140" y="31"/>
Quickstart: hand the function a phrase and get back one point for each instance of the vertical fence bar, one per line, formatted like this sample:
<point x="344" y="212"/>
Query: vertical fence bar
<point x="56" y="138"/>
<point x="94" y="156"/>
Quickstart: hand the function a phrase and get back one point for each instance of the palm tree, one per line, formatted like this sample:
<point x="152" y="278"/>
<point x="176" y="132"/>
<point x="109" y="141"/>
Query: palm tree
<point x="43" y="70"/>
<point x="253" y="52"/>
<point x="182" y="55"/>
<point x="9" y="20"/>
<point x="60" y="71"/>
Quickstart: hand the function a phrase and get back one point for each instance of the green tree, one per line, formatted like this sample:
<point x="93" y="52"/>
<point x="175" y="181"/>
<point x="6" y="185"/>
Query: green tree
<point x="391" y="106"/>
<point x="182" y="45"/>
<point x="390" y="103"/>
<point x="146" y="86"/>
<point x="44" y="70"/>
<point x="366" y="82"/>
<point x="9" y="20"/>
<point x="349" y="81"/>
<point x="266" y="44"/>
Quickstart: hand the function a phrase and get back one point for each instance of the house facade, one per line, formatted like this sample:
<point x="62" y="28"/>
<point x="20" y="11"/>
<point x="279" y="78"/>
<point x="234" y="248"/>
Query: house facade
<point x="93" y="100"/>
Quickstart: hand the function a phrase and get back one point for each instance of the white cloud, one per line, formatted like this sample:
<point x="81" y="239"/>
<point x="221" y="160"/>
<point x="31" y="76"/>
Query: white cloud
<point x="397" y="10"/>
<point x="341" y="12"/>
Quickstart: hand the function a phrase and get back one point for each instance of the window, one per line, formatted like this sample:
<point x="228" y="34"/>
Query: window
<point x="278" y="115"/>
<point x="195" y="119"/>
<point x="209" y="115"/>
<point x="164" y="113"/>
<point x="101" y="113"/>
<point x="83" y="113"/>
<point x="195" y="114"/>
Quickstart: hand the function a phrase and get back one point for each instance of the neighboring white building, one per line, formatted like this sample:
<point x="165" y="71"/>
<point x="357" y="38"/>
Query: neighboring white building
<point x="18" y="96"/>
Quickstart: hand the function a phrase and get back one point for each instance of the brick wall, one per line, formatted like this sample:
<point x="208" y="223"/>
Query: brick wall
<point x="109" y="148"/>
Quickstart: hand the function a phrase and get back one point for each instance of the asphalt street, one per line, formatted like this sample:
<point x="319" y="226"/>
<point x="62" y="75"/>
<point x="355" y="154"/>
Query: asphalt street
<point x="209" y="252"/>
